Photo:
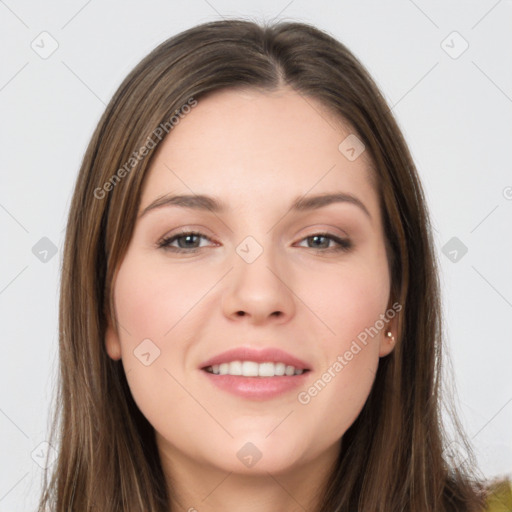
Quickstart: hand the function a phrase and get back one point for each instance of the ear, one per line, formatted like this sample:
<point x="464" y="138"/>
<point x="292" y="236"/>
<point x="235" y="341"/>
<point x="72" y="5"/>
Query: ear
<point x="387" y="343"/>
<point x="112" y="343"/>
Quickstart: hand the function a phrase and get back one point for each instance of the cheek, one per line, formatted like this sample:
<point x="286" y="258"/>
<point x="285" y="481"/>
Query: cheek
<point x="350" y="301"/>
<point x="152" y="299"/>
<point x="150" y="303"/>
<point x="155" y="306"/>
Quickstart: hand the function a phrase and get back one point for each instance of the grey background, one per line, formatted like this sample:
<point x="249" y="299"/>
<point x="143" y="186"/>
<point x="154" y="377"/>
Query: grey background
<point x="456" y="114"/>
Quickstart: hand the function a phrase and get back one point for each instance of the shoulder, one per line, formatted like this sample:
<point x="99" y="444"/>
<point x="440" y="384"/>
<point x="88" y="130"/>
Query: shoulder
<point x="499" y="496"/>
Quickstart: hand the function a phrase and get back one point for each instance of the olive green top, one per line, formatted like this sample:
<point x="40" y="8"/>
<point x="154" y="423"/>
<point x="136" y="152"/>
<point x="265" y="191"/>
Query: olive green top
<point x="500" y="497"/>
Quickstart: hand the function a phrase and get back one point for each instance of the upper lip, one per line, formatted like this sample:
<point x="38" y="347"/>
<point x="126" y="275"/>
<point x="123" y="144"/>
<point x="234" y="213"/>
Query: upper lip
<point x="270" y="354"/>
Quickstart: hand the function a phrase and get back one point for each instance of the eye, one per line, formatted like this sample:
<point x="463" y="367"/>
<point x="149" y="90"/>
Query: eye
<point x="321" y="242"/>
<point x="187" y="241"/>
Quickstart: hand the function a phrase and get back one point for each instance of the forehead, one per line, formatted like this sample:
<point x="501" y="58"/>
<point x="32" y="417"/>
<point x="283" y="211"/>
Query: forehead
<point x="247" y="145"/>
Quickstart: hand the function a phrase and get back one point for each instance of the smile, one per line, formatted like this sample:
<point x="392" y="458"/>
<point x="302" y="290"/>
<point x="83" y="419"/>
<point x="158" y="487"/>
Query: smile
<point x="254" y="369"/>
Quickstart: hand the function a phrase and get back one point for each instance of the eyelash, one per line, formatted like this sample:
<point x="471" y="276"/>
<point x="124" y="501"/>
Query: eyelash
<point x="344" y="245"/>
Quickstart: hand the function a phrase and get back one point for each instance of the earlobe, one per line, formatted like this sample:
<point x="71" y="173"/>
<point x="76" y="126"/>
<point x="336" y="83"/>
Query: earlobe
<point x="389" y="335"/>
<point x="112" y="344"/>
<point x="387" y="344"/>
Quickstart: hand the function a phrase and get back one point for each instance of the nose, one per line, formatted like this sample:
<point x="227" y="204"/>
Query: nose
<point x="258" y="292"/>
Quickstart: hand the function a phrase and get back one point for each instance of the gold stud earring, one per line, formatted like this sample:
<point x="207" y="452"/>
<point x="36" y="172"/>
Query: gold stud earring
<point x="390" y="335"/>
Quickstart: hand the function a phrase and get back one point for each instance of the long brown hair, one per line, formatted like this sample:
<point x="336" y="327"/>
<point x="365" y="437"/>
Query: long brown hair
<point x="394" y="456"/>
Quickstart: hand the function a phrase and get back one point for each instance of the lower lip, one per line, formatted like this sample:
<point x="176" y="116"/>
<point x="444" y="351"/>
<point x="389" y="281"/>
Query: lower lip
<point x="256" y="388"/>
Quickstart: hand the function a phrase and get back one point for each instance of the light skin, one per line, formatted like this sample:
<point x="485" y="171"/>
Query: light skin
<point x="257" y="152"/>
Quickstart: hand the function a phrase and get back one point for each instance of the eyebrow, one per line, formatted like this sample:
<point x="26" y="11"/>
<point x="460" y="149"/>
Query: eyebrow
<point x="204" y="202"/>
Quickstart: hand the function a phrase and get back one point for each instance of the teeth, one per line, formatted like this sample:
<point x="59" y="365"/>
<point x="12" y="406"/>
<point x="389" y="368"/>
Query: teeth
<point x="234" y="368"/>
<point x="253" y="369"/>
<point x="279" y="369"/>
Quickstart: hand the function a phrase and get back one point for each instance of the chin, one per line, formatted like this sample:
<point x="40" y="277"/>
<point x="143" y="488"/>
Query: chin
<point x="255" y="453"/>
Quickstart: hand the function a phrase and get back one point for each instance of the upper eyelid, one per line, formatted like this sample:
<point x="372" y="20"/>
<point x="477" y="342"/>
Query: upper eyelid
<point x="317" y="230"/>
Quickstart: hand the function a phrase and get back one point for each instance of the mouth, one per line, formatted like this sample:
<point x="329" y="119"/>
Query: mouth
<point x="255" y="369"/>
<point x="256" y="374"/>
<point x="256" y="381"/>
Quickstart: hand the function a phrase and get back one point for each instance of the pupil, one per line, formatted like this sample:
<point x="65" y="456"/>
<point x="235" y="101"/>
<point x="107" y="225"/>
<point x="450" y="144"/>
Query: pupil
<point x="316" y="238"/>
<point x="188" y="239"/>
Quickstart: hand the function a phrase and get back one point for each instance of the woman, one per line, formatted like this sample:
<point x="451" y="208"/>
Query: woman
<point x="250" y="313"/>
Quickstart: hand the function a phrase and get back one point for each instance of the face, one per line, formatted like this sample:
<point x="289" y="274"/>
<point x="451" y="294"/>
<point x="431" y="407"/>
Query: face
<point x="258" y="272"/>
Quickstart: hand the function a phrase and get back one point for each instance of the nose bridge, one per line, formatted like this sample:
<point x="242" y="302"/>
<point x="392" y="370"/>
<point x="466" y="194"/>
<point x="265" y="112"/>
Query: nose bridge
<point x="256" y="285"/>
